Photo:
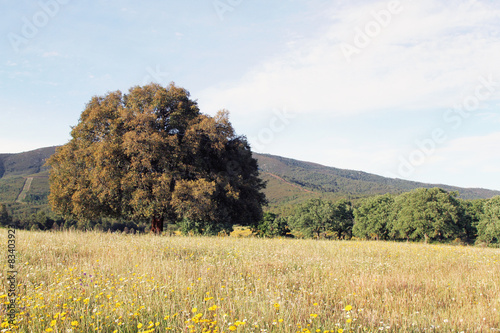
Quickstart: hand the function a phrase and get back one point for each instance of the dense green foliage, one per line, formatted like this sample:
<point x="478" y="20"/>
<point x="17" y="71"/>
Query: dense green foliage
<point x="488" y="225"/>
<point x="318" y="218"/>
<point x="427" y="214"/>
<point x="430" y="215"/>
<point x="372" y="217"/>
<point x="272" y="225"/>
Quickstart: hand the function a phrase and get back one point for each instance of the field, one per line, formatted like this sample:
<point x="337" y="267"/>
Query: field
<point x="102" y="282"/>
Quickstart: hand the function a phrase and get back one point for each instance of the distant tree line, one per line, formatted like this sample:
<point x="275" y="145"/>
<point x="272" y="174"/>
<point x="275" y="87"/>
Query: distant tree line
<point x="46" y="220"/>
<point x="430" y="215"/>
<point x="433" y="215"/>
<point x="315" y="218"/>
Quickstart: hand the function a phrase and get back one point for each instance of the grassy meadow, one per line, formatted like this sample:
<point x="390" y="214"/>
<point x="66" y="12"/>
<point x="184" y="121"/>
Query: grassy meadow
<point x="103" y="282"/>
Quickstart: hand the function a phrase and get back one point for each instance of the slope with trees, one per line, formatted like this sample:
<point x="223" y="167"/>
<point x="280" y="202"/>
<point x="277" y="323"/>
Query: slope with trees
<point x="333" y="183"/>
<point x="289" y="191"/>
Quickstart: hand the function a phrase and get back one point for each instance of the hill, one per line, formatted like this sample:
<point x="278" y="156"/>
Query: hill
<point x="292" y="181"/>
<point x="24" y="178"/>
<point x="26" y="163"/>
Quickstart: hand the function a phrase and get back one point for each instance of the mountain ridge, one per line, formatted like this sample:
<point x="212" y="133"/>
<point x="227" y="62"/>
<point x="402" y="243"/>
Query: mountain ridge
<point x="289" y="180"/>
<point x="25" y="163"/>
<point x="335" y="182"/>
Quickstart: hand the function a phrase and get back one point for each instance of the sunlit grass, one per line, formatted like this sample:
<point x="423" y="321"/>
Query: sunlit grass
<point x="101" y="282"/>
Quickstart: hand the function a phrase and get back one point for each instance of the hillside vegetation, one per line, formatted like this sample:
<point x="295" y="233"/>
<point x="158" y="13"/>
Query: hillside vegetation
<point x="289" y="182"/>
<point x="23" y="164"/>
<point x="15" y="170"/>
<point x="305" y="180"/>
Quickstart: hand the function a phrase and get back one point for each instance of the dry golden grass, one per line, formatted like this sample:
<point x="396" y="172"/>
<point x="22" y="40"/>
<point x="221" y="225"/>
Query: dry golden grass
<point x="88" y="282"/>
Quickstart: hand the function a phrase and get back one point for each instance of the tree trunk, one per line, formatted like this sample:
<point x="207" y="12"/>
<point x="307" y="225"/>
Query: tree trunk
<point x="157" y="225"/>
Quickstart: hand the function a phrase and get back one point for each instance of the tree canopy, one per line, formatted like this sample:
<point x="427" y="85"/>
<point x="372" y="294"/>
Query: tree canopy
<point x="373" y="217"/>
<point x="319" y="218"/>
<point x="151" y="154"/>
<point x="489" y="222"/>
<point x="427" y="214"/>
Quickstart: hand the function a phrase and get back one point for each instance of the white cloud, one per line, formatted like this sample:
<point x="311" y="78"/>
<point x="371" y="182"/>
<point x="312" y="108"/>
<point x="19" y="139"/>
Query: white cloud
<point x="468" y="161"/>
<point x="491" y="117"/>
<point x="476" y="152"/>
<point x="429" y="56"/>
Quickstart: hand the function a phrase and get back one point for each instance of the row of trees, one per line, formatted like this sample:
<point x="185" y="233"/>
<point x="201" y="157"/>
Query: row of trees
<point x="419" y="215"/>
<point x="428" y="214"/>
<point x="46" y="220"/>
<point x="316" y="218"/>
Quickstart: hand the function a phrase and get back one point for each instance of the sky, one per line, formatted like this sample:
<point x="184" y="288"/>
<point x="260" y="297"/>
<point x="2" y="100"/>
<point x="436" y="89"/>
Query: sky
<point x="403" y="89"/>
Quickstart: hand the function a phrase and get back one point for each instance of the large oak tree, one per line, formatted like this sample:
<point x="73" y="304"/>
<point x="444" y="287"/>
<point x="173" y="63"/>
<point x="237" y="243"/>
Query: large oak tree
<point x="151" y="154"/>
